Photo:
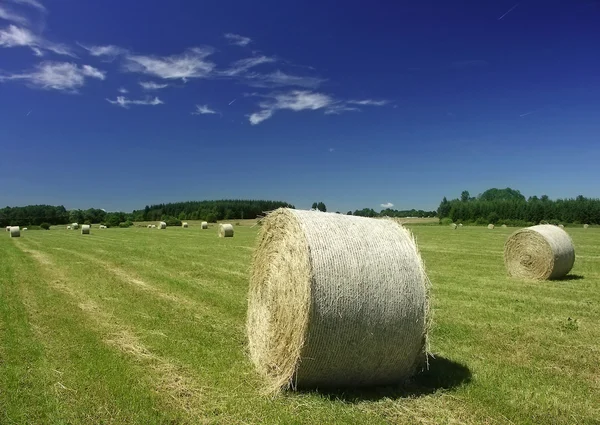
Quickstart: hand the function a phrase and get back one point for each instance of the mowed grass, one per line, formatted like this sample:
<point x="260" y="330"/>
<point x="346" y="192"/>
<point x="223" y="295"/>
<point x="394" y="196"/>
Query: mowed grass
<point x="147" y="326"/>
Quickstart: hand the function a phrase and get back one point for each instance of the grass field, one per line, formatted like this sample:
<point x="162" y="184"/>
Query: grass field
<point x="144" y="326"/>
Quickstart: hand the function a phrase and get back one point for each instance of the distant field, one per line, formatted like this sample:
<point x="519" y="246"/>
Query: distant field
<point x="141" y="326"/>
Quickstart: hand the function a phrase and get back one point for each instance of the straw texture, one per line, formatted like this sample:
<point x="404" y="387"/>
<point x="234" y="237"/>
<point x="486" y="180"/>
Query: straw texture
<point x="15" y="232"/>
<point x="336" y="301"/>
<point x="225" y="231"/>
<point x="85" y="229"/>
<point x="539" y="252"/>
<point x="204" y="225"/>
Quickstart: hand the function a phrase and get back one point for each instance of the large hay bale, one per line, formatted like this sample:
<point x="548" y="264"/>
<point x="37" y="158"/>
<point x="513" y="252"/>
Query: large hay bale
<point x="162" y="225"/>
<point x="15" y="232"/>
<point x="336" y="301"/>
<point x="539" y="252"/>
<point x="585" y="226"/>
<point x="184" y="225"/>
<point x="74" y="226"/>
<point x="453" y="226"/>
<point x="204" y="225"/>
<point x="85" y="229"/>
<point x="490" y="226"/>
<point x="225" y="230"/>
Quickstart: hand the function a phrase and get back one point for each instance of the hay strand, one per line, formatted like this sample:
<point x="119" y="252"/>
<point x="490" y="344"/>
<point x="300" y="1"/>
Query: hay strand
<point x="336" y="301"/>
<point x="539" y="252"/>
<point x="490" y="226"/>
<point x="15" y="232"/>
<point x="204" y="225"/>
<point x="85" y="229"/>
<point x="225" y="230"/>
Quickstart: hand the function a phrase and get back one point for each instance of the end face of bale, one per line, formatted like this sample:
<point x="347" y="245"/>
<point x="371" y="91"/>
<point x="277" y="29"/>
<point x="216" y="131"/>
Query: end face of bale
<point x="162" y="225"/>
<point x="184" y="225"/>
<point x="585" y="226"/>
<point x="225" y="230"/>
<point x="85" y="229"/>
<point x="539" y="252"/>
<point x="336" y="301"/>
<point x="15" y="231"/>
<point x="8" y="228"/>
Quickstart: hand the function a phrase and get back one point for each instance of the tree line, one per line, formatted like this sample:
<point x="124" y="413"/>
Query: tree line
<point x="509" y="206"/>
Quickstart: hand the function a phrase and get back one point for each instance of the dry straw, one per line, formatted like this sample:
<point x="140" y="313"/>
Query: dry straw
<point x="204" y="225"/>
<point x="336" y="301"/>
<point x="490" y="226"/>
<point x="585" y="226"/>
<point x="225" y="230"/>
<point x="184" y="225"/>
<point x="15" y="232"/>
<point x="162" y="225"/>
<point x="539" y="252"/>
<point x="85" y="229"/>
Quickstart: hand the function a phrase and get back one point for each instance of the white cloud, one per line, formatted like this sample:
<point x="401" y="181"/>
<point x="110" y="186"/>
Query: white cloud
<point x="9" y="15"/>
<point x="238" y="40"/>
<point x="387" y="205"/>
<point x="33" y="3"/>
<point x="63" y="76"/>
<point x="122" y="90"/>
<point x="14" y="36"/>
<point x="242" y="65"/>
<point x="340" y="107"/>
<point x="191" y="64"/>
<point x="124" y="102"/>
<point x="369" y="102"/>
<point x="109" y="51"/>
<point x="150" y="85"/>
<point x="296" y="100"/>
<point x="202" y="110"/>
<point x="281" y="79"/>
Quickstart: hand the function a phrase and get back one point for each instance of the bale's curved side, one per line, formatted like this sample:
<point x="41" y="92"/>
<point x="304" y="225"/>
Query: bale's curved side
<point x="162" y="225"/>
<point x="153" y="226"/>
<point x="539" y="252"/>
<point x="460" y="225"/>
<point x="336" y="301"/>
<point x="504" y="226"/>
<point x="490" y="226"/>
<point x="453" y="226"/>
<point x="149" y="226"/>
<point x="85" y="229"/>
<point x="204" y="225"/>
<point x="8" y="228"/>
<point x="74" y="226"/>
<point x="15" y="232"/>
<point x="225" y="230"/>
<point x="585" y="226"/>
<point x="184" y="225"/>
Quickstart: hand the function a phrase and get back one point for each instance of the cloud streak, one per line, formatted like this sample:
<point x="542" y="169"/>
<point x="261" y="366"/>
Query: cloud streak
<point x="9" y="15"/>
<point x="281" y="79"/>
<point x="243" y="65"/>
<point x="123" y="102"/>
<point x="509" y="10"/>
<point x="62" y="76"/>
<point x="387" y="205"/>
<point x="151" y="85"/>
<point x="32" y="3"/>
<point x="109" y="51"/>
<point x="14" y="36"/>
<point x="237" y="40"/>
<point x="192" y="63"/>
<point x="203" y="110"/>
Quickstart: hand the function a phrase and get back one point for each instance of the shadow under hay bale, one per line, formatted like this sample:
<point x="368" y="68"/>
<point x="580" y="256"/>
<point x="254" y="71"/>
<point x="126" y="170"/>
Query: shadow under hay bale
<point x="442" y="374"/>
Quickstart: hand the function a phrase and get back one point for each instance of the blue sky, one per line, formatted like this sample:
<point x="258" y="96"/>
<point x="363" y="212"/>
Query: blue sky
<point x="116" y="105"/>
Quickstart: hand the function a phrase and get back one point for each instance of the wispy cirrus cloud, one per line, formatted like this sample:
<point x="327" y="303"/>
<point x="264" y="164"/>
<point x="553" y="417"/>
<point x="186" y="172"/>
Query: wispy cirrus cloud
<point x="151" y="85"/>
<point x="387" y="205"/>
<point x="243" y="65"/>
<point x="281" y="79"/>
<point x="122" y="90"/>
<point x="238" y="40"/>
<point x="369" y="102"/>
<point x="203" y="110"/>
<point x="9" y="15"/>
<point x="108" y="51"/>
<point x="192" y="63"/>
<point x="32" y="3"/>
<point x="14" y="36"/>
<point x="123" y="102"/>
<point x="62" y="76"/>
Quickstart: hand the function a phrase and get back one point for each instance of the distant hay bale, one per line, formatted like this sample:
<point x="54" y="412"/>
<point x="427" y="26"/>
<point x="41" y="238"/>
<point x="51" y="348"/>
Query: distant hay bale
<point x="561" y="226"/>
<point x="585" y="226"/>
<point x="225" y="230"/>
<point x="490" y="226"/>
<point x="15" y="232"/>
<point x="24" y="228"/>
<point x="504" y="226"/>
<point x="68" y="227"/>
<point x="149" y="226"/>
<point x="336" y="300"/>
<point x="460" y="225"/>
<point x="8" y="228"/>
<point x="85" y="229"/>
<point x="539" y="252"/>
<point x="74" y="226"/>
<point x="102" y="226"/>
<point x="184" y="225"/>
<point x="154" y="226"/>
<point x="162" y="225"/>
<point x="453" y="226"/>
<point x="204" y="225"/>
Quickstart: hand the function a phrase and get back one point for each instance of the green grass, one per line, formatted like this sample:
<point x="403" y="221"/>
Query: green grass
<point x="146" y="326"/>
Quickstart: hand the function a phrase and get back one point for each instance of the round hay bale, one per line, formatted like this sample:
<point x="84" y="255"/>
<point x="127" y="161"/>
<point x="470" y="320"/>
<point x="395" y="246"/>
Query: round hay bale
<point x="504" y="226"/>
<point x="149" y="226"/>
<point x="204" y="225"/>
<point x="24" y="228"/>
<point x="184" y="225"/>
<point x="8" y="228"/>
<point x="162" y="225"/>
<point x="561" y="226"/>
<point x="68" y="227"/>
<point x="539" y="252"/>
<point x="74" y="226"/>
<point x="154" y="226"/>
<point x="335" y="301"/>
<point x="490" y="226"/>
<point x="225" y="230"/>
<point x="85" y="229"/>
<point x="15" y="232"/>
<point x="460" y="225"/>
<point x="585" y="226"/>
<point x="453" y="226"/>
